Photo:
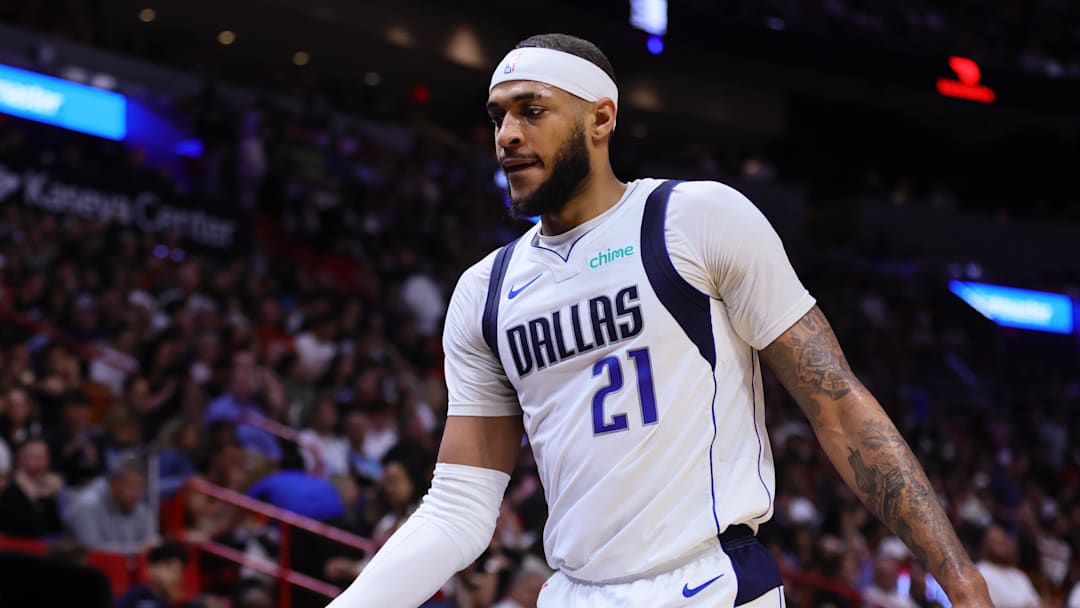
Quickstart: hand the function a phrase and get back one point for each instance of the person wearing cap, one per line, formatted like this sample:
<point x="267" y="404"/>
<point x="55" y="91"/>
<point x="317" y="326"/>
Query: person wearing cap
<point x="623" y="334"/>
<point x="164" y="575"/>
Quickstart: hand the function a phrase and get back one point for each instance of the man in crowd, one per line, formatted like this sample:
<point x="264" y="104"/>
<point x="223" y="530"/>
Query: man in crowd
<point x="113" y="516"/>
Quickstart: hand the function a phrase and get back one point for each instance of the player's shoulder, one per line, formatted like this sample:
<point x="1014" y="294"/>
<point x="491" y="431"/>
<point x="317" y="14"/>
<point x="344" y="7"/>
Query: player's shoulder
<point x="708" y="201"/>
<point x="707" y="192"/>
<point x="474" y="280"/>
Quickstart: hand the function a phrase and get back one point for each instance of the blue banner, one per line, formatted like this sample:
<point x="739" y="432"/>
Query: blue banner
<point x="62" y="103"/>
<point x="1021" y="308"/>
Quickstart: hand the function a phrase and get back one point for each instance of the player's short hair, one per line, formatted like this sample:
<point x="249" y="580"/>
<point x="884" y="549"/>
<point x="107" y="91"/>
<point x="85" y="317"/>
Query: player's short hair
<point x="572" y="45"/>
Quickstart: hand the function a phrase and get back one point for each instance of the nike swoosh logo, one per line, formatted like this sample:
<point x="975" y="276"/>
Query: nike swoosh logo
<point x="514" y="292"/>
<point x="688" y="592"/>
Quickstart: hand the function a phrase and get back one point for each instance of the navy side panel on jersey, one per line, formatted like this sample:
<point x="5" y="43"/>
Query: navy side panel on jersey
<point x="689" y="306"/>
<point x="490" y="319"/>
<point x="755" y="569"/>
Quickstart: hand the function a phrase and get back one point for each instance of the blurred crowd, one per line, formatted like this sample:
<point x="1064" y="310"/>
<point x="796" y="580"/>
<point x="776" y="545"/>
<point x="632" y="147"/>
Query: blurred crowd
<point x="304" y="369"/>
<point x="1040" y="37"/>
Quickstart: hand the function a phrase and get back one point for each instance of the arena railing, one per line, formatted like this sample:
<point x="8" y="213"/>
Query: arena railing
<point x="173" y="526"/>
<point x="797" y="584"/>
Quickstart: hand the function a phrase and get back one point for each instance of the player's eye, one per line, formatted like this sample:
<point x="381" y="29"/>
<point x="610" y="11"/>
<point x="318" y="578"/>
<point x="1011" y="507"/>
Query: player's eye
<point x="497" y="121"/>
<point x="534" y="111"/>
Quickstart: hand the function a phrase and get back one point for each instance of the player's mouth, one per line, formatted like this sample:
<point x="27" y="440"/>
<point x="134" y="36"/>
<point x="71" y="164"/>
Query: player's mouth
<point x="515" y="166"/>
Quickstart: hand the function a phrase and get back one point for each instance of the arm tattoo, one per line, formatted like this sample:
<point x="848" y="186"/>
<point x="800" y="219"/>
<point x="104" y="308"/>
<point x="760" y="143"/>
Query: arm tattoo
<point x="820" y="350"/>
<point x="818" y="369"/>
<point x="883" y="494"/>
<point x="879" y="464"/>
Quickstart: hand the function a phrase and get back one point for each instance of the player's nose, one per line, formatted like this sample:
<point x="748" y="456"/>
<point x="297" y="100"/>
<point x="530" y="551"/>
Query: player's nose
<point x="509" y="134"/>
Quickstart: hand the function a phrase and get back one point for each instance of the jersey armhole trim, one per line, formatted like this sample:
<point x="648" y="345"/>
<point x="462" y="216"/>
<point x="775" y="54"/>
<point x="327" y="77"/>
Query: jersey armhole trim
<point x="690" y="307"/>
<point x="490" y="318"/>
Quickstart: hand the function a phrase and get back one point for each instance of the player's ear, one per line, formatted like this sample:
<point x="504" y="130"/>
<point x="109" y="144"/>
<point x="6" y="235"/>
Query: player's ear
<point x="602" y="113"/>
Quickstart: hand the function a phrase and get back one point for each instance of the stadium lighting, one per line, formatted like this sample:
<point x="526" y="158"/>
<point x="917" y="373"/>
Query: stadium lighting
<point x="300" y="58"/>
<point x="147" y="15"/>
<point x="655" y="45"/>
<point x="1020" y="308"/>
<point x="62" y="103"/>
<point x="226" y="37"/>
<point x="649" y="16"/>
<point x="966" y="86"/>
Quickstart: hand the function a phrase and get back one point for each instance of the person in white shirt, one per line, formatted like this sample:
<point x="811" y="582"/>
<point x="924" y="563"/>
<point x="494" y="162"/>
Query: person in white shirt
<point x="883" y="591"/>
<point x="325" y="450"/>
<point x="623" y="334"/>
<point x="1009" y="586"/>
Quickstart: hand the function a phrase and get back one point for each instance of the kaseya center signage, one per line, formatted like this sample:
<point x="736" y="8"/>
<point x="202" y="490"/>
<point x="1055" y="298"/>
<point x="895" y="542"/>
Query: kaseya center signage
<point x="143" y="210"/>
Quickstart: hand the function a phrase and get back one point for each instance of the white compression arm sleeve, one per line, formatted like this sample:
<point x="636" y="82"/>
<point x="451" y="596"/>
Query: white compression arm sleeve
<point x="451" y="528"/>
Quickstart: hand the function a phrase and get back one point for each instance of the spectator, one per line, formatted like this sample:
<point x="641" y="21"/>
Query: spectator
<point x="405" y="479"/>
<point x="326" y="451"/>
<point x="112" y="516"/>
<point x="316" y="347"/>
<point x="177" y="458"/>
<point x="360" y="464"/>
<point x="883" y="592"/>
<point x="240" y="405"/>
<point x="301" y="493"/>
<point x="525" y="587"/>
<point x="209" y="517"/>
<point x="20" y="421"/>
<point x="121" y="438"/>
<point x="77" y="446"/>
<point x="28" y="505"/>
<point x="164" y="573"/>
<point x="1009" y="586"/>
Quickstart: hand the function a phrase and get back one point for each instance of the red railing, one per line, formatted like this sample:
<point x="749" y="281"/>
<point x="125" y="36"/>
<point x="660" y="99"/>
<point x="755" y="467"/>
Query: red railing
<point x="797" y="583"/>
<point x="173" y="524"/>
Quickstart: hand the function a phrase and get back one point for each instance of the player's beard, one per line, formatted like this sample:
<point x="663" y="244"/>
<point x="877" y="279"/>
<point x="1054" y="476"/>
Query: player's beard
<point x="569" y="169"/>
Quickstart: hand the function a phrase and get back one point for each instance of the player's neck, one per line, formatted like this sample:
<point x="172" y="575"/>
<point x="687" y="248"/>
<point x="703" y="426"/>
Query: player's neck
<point x="600" y="193"/>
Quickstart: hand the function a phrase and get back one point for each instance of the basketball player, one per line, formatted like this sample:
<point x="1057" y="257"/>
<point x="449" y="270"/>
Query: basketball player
<point x="623" y="334"/>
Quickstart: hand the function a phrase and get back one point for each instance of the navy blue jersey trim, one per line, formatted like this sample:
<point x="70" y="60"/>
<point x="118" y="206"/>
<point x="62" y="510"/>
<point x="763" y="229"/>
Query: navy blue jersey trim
<point x="689" y="306"/>
<point x="490" y="319"/>
<point x="712" y="471"/>
<point x="756" y="572"/>
<point x="757" y="431"/>
<point x="535" y="243"/>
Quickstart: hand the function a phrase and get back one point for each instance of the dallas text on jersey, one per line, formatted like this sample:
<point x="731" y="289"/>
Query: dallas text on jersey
<point x="543" y="341"/>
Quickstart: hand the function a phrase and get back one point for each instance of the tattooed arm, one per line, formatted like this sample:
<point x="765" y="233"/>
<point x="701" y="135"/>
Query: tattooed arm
<point x="869" y="452"/>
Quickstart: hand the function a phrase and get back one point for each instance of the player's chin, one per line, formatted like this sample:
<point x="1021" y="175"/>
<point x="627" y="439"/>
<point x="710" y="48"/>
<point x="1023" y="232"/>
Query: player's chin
<point x="523" y="189"/>
<point x="524" y="181"/>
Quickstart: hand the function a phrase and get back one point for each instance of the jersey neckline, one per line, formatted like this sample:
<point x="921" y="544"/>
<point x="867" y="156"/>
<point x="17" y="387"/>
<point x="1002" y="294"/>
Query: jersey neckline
<point x="563" y="244"/>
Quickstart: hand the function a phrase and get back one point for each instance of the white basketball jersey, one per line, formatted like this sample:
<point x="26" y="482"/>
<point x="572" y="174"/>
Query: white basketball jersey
<point x="629" y="346"/>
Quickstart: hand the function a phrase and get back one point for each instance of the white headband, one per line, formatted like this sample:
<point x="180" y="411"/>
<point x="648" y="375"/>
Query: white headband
<point x="577" y="76"/>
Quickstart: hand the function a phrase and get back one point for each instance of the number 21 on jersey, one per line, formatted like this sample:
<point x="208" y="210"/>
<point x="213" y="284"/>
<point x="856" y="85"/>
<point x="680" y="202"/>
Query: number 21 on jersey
<point x="612" y="366"/>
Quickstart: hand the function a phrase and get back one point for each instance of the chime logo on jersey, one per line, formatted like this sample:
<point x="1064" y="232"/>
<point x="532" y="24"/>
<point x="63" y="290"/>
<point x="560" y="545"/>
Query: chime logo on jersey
<point x="569" y="332"/>
<point x="606" y="257"/>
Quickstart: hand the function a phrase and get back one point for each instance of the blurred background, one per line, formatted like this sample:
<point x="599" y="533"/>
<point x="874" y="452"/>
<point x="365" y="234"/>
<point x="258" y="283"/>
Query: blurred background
<point x="229" y="231"/>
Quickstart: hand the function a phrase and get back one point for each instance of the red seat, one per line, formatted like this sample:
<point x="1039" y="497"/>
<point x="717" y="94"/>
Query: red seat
<point x="116" y="567"/>
<point x="33" y="546"/>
